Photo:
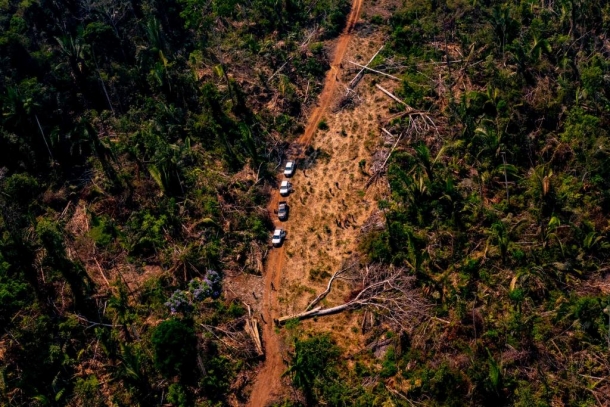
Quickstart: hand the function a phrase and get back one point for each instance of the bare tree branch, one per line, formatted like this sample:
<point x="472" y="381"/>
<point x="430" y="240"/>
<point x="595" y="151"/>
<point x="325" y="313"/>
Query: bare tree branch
<point x="352" y="84"/>
<point x="374" y="70"/>
<point x="330" y="282"/>
<point x="385" y="289"/>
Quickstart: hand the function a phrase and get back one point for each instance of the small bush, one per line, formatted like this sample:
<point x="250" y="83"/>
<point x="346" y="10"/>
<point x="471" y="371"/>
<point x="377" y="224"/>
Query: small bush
<point x="103" y="232"/>
<point x="389" y="368"/>
<point x="377" y="19"/>
<point x="177" y="396"/>
<point x="323" y="125"/>
<point x="318" y="273"/>
<point x="174" y="346"/>
<point x="377" y="246"/>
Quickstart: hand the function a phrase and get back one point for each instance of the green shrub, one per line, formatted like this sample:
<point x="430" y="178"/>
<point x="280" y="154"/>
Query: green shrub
<point x="177" y="395"/>
<point x="588" y="312"/>
<point x="20" y="188"/>
<point x="103" y="232"/>
<point x="313" y="364"/>
<point x="319" y="273"/>
<point x="87" y="391"/>
<point x="174" y="346"/>
<point x="322" y="125"/>
<point x="258" y="227"/>
<point x="376" y="19"/>
<point x="147" y="232"/>
<point x="389" y="368"/>
<point x="377" y="245"/>
<point x="526" y="397"/>
<point x="335" y="18"/>
<point x="317" y="48"/>
<point x="14" y="292"/>
<point x="218" y="376"/>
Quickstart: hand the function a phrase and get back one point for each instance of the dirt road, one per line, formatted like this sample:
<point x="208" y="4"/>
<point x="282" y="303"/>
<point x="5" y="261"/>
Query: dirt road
<point x="330" y="81"/>
<point x="268" y="381"/>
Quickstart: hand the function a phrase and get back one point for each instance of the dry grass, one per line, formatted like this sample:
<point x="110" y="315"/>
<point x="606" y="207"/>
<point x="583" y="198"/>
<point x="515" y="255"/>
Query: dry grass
<point x="331" y="203"/>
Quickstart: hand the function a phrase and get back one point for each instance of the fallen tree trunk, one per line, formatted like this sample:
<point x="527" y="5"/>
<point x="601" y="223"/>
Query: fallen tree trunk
<point x="388" y="133"/>
<point x="390" y="94"/>
<point x="424" y="121"/>
<point x="381" y="169"/>
<point x="374" y="70"/>
<point x="316" y="312"/>
<point x="302" y="315"/>
<point x="251" y="328"/>
<point x="325" y="293"/>
<point x="410" y="111"/>
<point x="392" y="150"/>
<point x="386" y="290"/>
<point x="352" y="84"/>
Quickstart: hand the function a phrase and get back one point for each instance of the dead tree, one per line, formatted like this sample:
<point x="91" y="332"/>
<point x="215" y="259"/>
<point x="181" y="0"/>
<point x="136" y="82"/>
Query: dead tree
<point x="418" y="123"/>
<point x="351" y="97"/>
<point x="352" y="84"/>
<point x="374" y="70"/>
<point x="387" y="290"/>
<point x="337" y="275"/>
<point x="251" y="328"/>
<point x="239" y="337"/>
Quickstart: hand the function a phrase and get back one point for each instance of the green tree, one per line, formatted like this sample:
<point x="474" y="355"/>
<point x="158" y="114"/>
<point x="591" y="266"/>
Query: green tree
<point x="174" y="346"/>
<point x="20" y="106"/>
<point x="313" y="364"/>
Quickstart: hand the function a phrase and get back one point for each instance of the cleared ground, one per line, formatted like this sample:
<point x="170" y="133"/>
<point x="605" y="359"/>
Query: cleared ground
<point x="329" y="205"/>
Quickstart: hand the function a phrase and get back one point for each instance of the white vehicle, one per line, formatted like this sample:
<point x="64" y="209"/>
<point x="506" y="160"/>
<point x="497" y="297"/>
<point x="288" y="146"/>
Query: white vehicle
<point x="289" y="169"/>
<point x="282" y="211"/>
<point x="285" y="188"/>
<point x="278" y="237"/>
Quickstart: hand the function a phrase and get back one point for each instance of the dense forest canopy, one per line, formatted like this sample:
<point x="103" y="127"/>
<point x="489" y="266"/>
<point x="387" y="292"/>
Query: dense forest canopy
<point x="138" y="142"/>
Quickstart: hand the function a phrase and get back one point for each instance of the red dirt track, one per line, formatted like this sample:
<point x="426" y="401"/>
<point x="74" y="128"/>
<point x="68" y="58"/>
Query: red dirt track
<point x="268" y="386"/>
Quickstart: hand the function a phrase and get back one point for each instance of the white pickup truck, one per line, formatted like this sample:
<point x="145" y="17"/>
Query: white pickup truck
<point x="278" y="237"/>
<point x="282" y="210"/>
<point x="289" y="169"/>
<point x="285" y="188"/>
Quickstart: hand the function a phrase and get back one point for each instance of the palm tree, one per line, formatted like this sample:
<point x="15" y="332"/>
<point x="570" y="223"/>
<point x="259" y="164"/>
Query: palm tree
<point x="19" y="108"/>
<point x="539" y="46"/>
<point x="541" y="188"/>
<point x="162" y="159"/>
<point x="491" y="139"/>
<point x="85" y="136"/>
<point x="74" y="51"/>
<point x="499" y="234"/>
<point x="501" y="20"/>
<point x="154" y="34"/>
<point x="119" y="303"/>
<point x="548" y="232"/>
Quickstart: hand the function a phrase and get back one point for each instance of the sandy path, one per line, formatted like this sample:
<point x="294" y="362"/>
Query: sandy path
<point x="268" y="384"/>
